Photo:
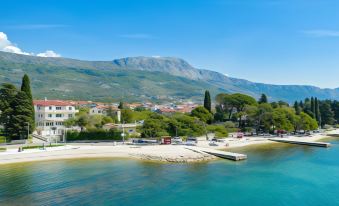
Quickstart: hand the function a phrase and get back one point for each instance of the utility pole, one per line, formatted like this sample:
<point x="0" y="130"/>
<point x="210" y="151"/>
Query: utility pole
<point x="27" y="130"/>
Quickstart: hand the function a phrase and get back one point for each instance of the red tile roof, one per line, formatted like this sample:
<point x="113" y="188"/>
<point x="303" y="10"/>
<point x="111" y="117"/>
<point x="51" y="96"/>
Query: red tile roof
<point x="51" y="103"/>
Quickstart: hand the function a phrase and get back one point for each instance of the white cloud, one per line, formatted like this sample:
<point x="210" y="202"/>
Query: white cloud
<point x="322" y="33"/>
<point x="8" y="46"/>
<point x="48" y="53"/>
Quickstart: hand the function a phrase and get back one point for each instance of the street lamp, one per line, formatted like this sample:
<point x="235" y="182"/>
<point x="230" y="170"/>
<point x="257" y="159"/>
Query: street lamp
<point x="123" y="134"/>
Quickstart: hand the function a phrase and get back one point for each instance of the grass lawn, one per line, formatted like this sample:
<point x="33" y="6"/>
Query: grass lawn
<point x="3" y="149"/>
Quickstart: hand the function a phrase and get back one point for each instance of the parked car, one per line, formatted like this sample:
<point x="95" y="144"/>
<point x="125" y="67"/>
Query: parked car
<point x="191" y="141"/>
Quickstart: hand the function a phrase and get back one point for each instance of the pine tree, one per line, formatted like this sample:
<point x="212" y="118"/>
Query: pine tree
<point x="263" y="99"/>
<point x="297" y="108"/>
<point x="22" y="113"/>
<point x="26" y="87"/>
<point x="207" y="101"/>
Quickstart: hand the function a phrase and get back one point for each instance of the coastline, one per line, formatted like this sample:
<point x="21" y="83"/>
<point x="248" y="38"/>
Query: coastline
<point x="157" y="153"/>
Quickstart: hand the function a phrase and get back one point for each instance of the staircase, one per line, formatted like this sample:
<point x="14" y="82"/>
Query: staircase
<point x="38" y="138"/>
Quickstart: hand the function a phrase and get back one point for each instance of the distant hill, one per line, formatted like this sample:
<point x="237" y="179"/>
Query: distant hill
<point x="136" y="79"/>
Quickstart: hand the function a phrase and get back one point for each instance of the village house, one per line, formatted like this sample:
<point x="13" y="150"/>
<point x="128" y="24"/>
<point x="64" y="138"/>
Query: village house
<point x="102" y="110"/>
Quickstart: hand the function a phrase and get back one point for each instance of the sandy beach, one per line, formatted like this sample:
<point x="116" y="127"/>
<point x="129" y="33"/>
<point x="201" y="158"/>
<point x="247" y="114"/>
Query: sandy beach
<point x="162" y="153"/>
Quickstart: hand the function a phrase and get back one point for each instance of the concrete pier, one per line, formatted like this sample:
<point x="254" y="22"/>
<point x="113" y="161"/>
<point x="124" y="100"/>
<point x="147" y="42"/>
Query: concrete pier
<point x="308" y="143"/>
<point x="218" y="153"/>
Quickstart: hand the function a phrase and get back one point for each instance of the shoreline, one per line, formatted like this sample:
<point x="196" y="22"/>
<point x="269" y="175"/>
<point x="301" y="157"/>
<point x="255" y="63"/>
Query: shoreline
<point x="154" y="153"/>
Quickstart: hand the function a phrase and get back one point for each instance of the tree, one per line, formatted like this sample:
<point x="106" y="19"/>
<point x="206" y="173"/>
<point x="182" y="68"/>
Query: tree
<point x="111" y="113"/>
<point x="126" y="116"/>
<point x="308" y="107"/>
<point x="26" y="87"/>
<point x="207" y="101"/>
<point x="121" y="105"/>
<point x="301" y="105"/>
<point x="335" y="108"/>
<point x="281" y="120"/>
<point x="313" y="107"/>
<point x="154" y="126"/>
<point x="282" y="104"/>
<point x="70" y="122"/>
<point x="327" y="115"/>
<point x="202" y="114"/>
<point x="82" y="121"/>
<point x="306" y="122"/>
<point x="106" y="119"/>
<point x="22" y="113"/>
<point x="225" y="106"/>
<point x="262" y="117"/>
<point x="316" y="109"/>
<point x="7" y="96"/>
<point x="297" y="108"/>
<point x="263" y="99"/>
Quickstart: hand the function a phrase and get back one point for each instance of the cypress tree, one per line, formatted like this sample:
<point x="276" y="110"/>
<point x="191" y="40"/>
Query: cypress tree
<point x="301" y="105"/>
<point x="26" y="87"/>
<point x="22" y="113"/>
<point x="297" y="108"/>
<point x="121" y="105"/>
<point x="207" y="101"/>
<point x="263" y="99"/>
<point x="317" y="112"/>
<point x="313" y="107"/>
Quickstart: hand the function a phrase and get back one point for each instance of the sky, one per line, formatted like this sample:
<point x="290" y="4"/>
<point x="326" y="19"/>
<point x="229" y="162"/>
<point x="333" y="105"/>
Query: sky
<point x="269" y="41"/>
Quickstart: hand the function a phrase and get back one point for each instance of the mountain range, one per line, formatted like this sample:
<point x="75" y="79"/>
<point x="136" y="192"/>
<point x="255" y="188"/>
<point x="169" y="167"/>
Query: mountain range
<point x="137" y="79"/>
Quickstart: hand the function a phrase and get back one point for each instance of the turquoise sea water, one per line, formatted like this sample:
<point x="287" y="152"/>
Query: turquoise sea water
<point x="273" y="175"/>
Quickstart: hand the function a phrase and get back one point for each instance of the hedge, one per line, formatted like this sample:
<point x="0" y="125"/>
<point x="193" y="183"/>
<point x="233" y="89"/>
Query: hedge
<point x="97" y="134"/>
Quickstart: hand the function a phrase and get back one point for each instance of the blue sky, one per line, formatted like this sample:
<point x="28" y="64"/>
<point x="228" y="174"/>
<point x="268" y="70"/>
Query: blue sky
<point x="270" y="41"/>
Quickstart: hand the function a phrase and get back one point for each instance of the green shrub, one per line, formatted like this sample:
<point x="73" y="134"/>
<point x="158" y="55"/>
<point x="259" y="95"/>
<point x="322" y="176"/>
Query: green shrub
<point x="2" y="139"/>
<point x="3" y="149"/>
<point x="219" y="130"/>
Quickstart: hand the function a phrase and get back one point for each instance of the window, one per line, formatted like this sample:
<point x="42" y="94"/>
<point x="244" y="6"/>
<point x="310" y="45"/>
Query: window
<point x="49" y="115"/>
<point x="39" y="108"/>
<point x="69" y="108"/>
<point x="49" y="123"/>
<point x="50" y="108"/>
<point x="70" y="115"/>
<point x="58" y="115"/>
<point x="59" y="123"/>
<point x="58" y="108"/>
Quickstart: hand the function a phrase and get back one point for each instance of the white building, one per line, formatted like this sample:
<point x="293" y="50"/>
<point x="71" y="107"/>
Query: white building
<point x="50" y="116"/>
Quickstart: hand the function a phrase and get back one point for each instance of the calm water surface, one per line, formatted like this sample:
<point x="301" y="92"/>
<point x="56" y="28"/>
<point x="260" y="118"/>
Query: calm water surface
<point x="273" y="175"/>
